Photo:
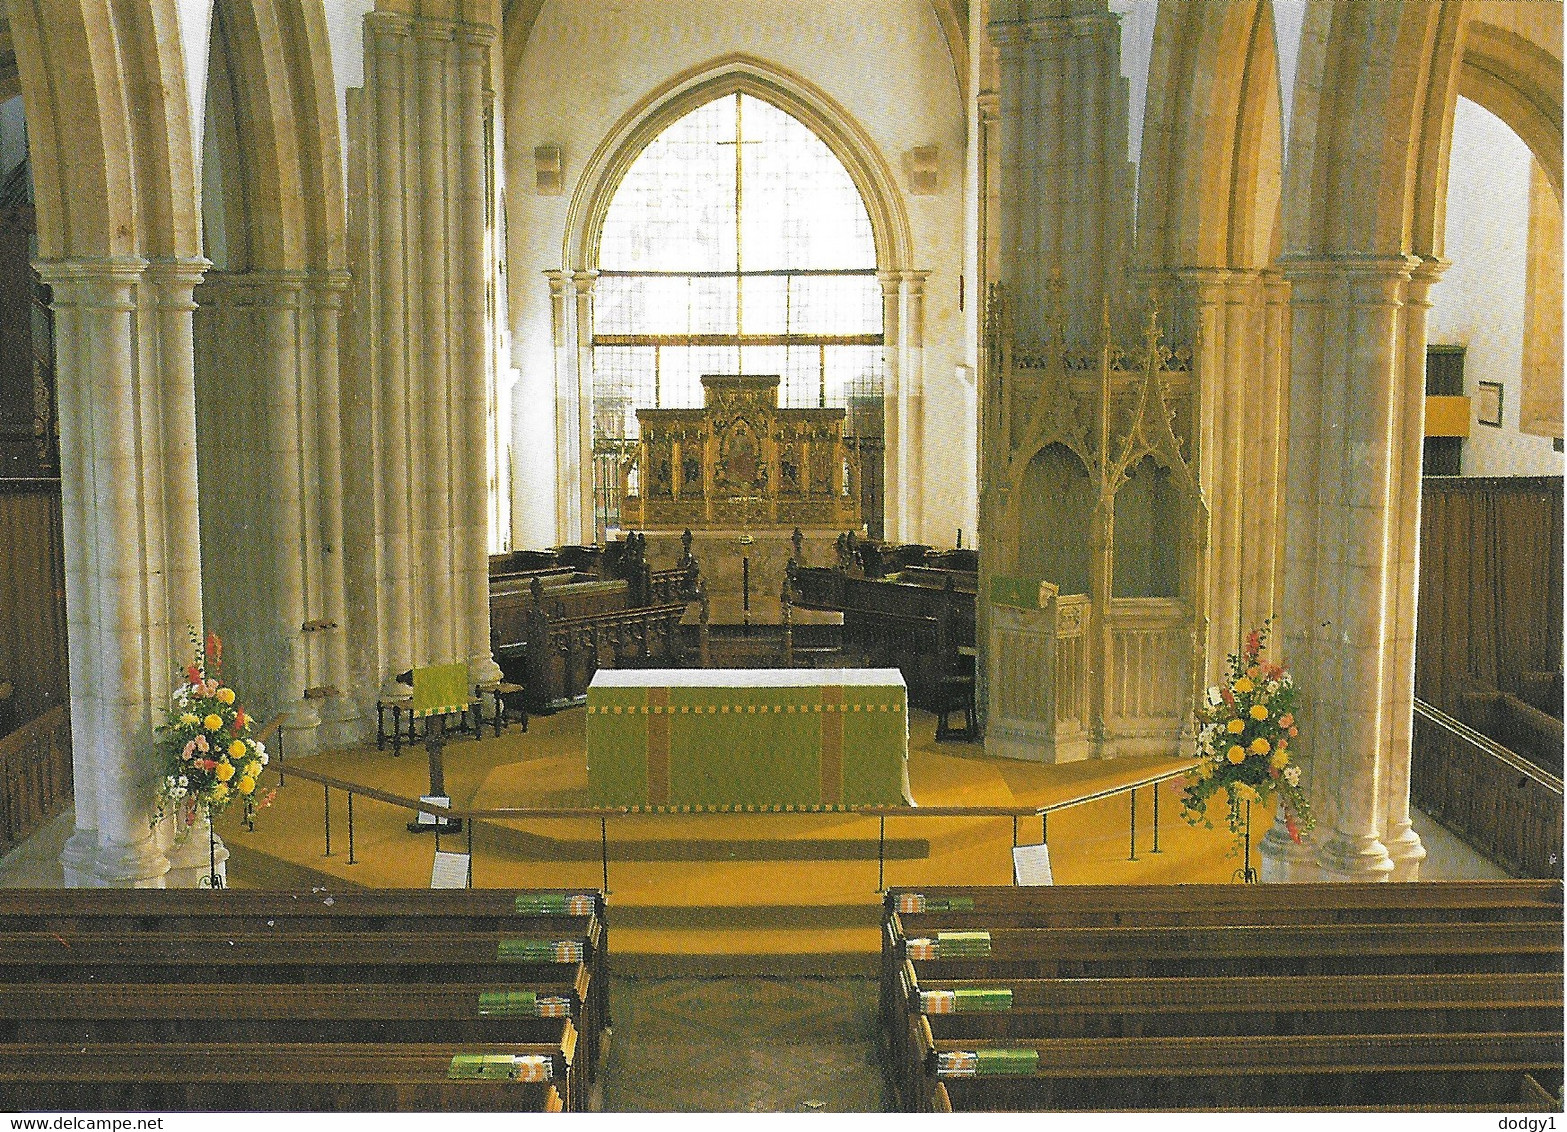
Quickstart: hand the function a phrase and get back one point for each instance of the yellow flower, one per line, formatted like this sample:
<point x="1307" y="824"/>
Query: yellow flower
<point x="237" y="749"/>
<point x="220" y="793"/>
<point x="1279" y="759"/>
<point x="1243" y="685"/>
<point x="188" y="720"/>
<point x="1235" y="755"/>
<point x="252" y="769"/>
<point x="1258" y="711"/>
<point x="1245" y="793"/>
<point x="1260" y="746"/>
<point x="1204" y="770"/>
<point x="1235" y="726"/>
<point x="213" y="722"/>
<point x="247" y="784"/>
<point x="225" y="695"/>
<point x="224" y="771"/>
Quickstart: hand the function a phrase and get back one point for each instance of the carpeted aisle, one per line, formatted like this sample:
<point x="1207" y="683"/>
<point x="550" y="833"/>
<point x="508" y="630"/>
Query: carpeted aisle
<point x="743" y="1045"/>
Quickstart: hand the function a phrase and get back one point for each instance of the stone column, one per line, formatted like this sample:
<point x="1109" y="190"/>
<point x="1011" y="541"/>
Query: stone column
<point x="473" y="322"/>
<point x="582" y="315"/>
<point x="568" y="457"/>
<point x="387" y="39"/>
<point x="911" y="390"/>
<point x="1342" y="577"/>
<point x="340" y="714"/>
<point x="1066" y="182"/>
<point x="1402" y="842"/>
<point x="132" y="554"/>
<point x="431" y="362"/>
<point x="896" y="436"/>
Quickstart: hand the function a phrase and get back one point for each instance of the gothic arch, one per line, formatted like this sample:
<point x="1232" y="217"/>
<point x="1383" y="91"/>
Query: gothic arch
<point x="1212" y="151"/>
<point x="109" y="118"/>
<point x="732" y="74"/>
<point x="1372" y="125"/>
<point x="1520" y="82"/>
<point x="278" y="135"/>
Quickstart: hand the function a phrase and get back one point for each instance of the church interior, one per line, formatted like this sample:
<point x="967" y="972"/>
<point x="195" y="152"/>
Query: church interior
<point x="1012" y="549"/>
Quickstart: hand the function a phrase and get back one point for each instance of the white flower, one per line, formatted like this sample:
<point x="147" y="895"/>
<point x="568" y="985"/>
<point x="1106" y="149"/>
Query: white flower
<point x="261" y="748"/>
<point x="265" y="758"/>
<point x="1212" y="696"/>
<point x="1292" y="775"/>
<point x="182" y="782"/>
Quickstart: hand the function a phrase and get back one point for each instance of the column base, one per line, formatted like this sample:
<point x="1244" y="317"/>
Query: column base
<point x="1283" y="860"/>
<point x="1349" y="857"/>
<point x="86" y="862"/>
<point x="482" y="669"/>
<point x="191" y="860"/>
<point x="1406" y="851"/>
<point x="344" y="723"/>
<point x="301" y="729"/>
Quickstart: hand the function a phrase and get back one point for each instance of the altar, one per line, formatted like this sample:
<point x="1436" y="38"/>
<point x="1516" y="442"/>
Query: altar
<point x="748" y="739"/>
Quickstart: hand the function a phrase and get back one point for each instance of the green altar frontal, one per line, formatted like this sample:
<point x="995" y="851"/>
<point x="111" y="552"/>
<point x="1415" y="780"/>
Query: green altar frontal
<point x="748" y="739"/>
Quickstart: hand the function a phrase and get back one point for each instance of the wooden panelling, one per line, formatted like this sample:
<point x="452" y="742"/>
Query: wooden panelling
<point x="32" y="596"/>
<point x="35" y="775"/>
<point x="1490" y="608"/>
<point x="1506" y="808"/>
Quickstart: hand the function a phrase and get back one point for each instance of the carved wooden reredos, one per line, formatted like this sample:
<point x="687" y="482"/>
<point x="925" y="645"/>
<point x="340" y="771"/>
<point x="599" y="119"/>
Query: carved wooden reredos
<point x="741" y="461"/>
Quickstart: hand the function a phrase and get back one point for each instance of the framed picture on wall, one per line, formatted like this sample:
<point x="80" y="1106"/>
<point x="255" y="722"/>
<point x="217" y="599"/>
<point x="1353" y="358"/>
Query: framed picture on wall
<point x="1488" y="404"/>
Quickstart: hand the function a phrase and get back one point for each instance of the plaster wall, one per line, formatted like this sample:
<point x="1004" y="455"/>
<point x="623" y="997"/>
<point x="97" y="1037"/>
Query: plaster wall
<point x="1479" y="303"/>
<point x="588" y="63"/>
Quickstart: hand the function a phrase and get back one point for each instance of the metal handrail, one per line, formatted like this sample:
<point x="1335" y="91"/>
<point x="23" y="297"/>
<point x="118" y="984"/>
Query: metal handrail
<point x="604" y="813"/>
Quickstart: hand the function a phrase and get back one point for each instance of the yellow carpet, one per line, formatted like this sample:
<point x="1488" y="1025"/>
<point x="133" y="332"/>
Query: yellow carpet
<point x="720" y="884"/>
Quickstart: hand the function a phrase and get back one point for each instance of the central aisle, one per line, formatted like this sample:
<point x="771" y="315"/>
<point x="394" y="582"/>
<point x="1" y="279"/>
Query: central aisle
<point x="743" y="1045"/>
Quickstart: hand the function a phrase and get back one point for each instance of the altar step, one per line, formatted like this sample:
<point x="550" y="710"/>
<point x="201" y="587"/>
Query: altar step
<point x="708" y="844"/>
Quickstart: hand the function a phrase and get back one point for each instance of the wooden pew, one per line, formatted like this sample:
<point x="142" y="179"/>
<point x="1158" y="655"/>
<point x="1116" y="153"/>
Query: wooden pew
<point x="302" y="958"/>
<point x="275" y="1012"/>
<point x="1219" y="951"/>
<point x="1169" y="904"/>
<point x="267" y="1077"/>
<point x="1329" y="1071"/>
<point x="277" y="914"/>
<point x="1090" y="1009"/>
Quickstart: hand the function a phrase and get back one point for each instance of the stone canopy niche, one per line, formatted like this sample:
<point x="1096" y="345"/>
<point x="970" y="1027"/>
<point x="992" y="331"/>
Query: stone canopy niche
<point x="742" y="475"/>
<point x="1095" y="534"/>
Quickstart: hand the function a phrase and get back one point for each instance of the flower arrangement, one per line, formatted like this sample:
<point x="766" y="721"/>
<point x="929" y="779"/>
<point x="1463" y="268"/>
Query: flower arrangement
<point x="1246" y="725"/>
<point x="207" y="757"/>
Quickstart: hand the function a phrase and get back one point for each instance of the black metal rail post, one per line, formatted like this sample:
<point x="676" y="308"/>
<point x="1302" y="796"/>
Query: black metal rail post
<point x="326" y="816"/>
<point x="881" y="853"/>
<point x="351" y="860"/>
<point x="1133" y="793"/>
<point x="470" y="852"/>
<point x="280" y="781"/>
<point x="1156" y="817"/>
<point x="604" y="849"/>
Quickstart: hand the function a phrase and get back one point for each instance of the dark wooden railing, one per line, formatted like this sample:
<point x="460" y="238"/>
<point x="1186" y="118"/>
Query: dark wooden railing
<point x="35" y="775"/>
<point x="1503" y="806"/>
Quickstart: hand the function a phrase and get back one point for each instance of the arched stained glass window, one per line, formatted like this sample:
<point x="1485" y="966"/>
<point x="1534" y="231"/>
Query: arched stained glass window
<point x="736" y="243"/>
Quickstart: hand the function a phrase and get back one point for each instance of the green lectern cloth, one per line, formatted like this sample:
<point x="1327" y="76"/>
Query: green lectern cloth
<point x="748" y="739"/>
<point x="441" y="689"/>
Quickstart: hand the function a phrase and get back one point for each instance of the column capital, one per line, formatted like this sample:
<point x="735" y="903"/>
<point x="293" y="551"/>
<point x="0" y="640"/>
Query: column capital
<point x="989" y="103"/>
<point x="560" y="282"/>
<point x="890" y="282"/>
<point x="583" y="280"/>
<point x="1347" y="267"/>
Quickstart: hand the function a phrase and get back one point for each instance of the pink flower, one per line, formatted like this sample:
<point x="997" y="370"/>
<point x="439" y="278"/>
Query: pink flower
<point x="190" y="750"/>
<point x="200" y="742"/>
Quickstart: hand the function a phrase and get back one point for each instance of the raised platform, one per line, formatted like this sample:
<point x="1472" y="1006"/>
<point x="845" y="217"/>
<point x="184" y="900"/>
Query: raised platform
<point x="710" y="893"/>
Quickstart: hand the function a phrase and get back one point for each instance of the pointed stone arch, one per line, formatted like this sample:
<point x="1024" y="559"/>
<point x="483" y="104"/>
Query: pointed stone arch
<point x="738" y="74"/>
